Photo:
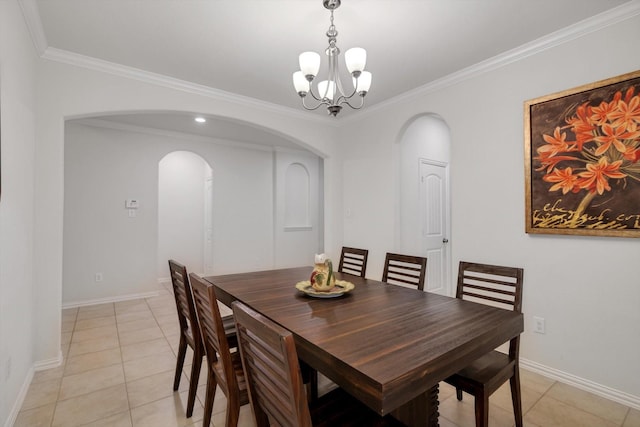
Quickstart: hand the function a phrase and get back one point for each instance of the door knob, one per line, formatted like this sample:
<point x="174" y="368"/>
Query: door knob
<point x="445" y="240"/>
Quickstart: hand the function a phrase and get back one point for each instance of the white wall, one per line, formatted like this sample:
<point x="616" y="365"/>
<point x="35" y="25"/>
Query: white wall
<point x="17" y="119"/>
<point x="586" y="288"/>
<point x="103" y="167"/>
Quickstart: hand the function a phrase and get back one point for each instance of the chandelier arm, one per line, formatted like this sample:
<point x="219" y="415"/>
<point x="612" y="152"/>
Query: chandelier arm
<point x="355" y="108"/>
<point x="353" y="92"/>
<point x="304" y="105"/>
<point x="344" y="99"/>
<point x="313" y="95"/>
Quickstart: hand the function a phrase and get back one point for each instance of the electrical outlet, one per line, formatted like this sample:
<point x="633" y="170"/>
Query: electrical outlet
<point x="98" y="277"/>
<point x="538" y="325"/>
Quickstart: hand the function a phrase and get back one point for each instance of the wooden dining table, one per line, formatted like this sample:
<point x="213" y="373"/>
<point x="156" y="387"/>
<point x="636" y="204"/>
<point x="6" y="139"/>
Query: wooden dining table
<point x="387" y="345"/>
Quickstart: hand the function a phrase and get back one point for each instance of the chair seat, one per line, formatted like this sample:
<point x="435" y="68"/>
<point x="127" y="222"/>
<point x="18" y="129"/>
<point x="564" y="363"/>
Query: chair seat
<point x="240" y="377"/>
<point x="492" y="368"/>
<point x="339" y="408"/>
<point x="230" y="330"/>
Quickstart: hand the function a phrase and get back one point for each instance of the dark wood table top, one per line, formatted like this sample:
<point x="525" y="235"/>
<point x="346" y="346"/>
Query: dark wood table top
<point x="384" y="344"/>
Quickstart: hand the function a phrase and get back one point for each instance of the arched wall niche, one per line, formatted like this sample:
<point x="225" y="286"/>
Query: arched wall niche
<point x="297" y="196"/>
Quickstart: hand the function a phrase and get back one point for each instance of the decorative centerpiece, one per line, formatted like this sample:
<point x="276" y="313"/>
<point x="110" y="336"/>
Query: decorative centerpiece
<point x="323" y="283"/>
<point x="322" y="278"/>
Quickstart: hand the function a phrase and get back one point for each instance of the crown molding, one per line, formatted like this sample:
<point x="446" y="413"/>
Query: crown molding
<point x="33" y="21"/>
<point x="83" y="61"/>
<point x="572" y="32"/>
<point x="34" y="24"/>
<point x="595" y="23"/>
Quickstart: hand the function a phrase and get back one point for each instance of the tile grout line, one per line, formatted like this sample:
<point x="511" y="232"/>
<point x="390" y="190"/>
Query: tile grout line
<point x="65" y="359"/>
<point x="169" y="289"/>
<point x="124" y="374"/>
<point x="182" y="373"/>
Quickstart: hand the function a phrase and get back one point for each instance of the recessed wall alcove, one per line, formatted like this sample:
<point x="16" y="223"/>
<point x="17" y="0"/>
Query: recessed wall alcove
<point x="257" y="203"/>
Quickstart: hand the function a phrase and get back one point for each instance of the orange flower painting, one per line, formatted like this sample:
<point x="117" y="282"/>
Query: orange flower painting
<point x="582" y="150"/>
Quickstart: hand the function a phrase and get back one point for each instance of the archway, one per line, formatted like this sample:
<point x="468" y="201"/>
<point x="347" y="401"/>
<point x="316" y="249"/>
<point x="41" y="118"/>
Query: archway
<point x="185" y="212"/>
<point x="424" y="193"/>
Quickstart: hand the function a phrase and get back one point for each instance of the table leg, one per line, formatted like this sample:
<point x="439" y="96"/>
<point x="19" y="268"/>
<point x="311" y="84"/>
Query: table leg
<point x="421" y="411"/>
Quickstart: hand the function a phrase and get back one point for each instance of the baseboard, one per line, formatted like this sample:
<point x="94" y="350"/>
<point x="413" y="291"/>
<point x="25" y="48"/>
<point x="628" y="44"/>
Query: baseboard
<point x="37" y="366"/>
<point x="583" y="384"/>
<point x="15" y="410"/>
<point x="41" y="365"/>
<point x="74" y="304"/>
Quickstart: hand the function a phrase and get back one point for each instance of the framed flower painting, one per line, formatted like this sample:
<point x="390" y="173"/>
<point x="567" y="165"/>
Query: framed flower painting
<point x="582" y="160"/>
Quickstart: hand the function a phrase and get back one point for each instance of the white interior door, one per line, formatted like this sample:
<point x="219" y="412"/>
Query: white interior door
<point x="434" y="227"/>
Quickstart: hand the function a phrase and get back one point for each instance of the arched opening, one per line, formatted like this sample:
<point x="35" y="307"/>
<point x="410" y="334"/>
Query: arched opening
<point x="185" y="213"/>
<point x="424" y="193"/>
<point x="112" y="252"/>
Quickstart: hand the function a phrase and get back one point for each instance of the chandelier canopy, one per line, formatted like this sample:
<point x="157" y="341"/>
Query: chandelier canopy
<point x="331" y="92"/>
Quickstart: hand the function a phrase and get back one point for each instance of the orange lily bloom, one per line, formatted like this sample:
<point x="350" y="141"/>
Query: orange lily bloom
<point x="632" y="154"/>
<point x="596" y="177"/>
<point x="627" y="115"/>
<point x="582" y="125"/>
<point x="602" y="113"/>
<point x="564" y="179"/>
<point x="555" y="144"/>
<point x="614" y="135"/>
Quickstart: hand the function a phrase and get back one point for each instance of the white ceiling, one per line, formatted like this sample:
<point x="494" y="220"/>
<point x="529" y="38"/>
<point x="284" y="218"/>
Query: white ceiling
<point x="251" y="47"/>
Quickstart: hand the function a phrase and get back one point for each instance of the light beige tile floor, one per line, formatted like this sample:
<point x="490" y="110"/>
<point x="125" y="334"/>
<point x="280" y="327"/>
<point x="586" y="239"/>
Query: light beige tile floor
<point x="118" y="369"/>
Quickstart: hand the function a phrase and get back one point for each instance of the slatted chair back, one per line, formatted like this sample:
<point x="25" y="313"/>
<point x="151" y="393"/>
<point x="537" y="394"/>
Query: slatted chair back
<point x="405" y="270"/>
<point x="275" y="382"/>
<point x="184" y="301"/>
<point x="490" y="284"/>
<point x="353" y="261"/>
<point x="273" y="373"/>
<point x="225" y="368"/>
<point x="189" y="331"/>
<point x="494" y="285"/>
<point x="501" y="287"/>
<point x="213" y="334"/>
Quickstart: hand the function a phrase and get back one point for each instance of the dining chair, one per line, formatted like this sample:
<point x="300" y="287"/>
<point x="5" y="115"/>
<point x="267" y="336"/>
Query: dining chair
<point x="405" y="270"/>
<point x="276" y="389"/>
<point x="353" y="261"/>
<point x="225" y="368"/>
<point x="502" y="287"/>
<point x="189" y="331"/>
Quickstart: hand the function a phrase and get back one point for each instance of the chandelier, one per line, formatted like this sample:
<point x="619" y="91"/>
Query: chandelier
<point x="330" y="92"/>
